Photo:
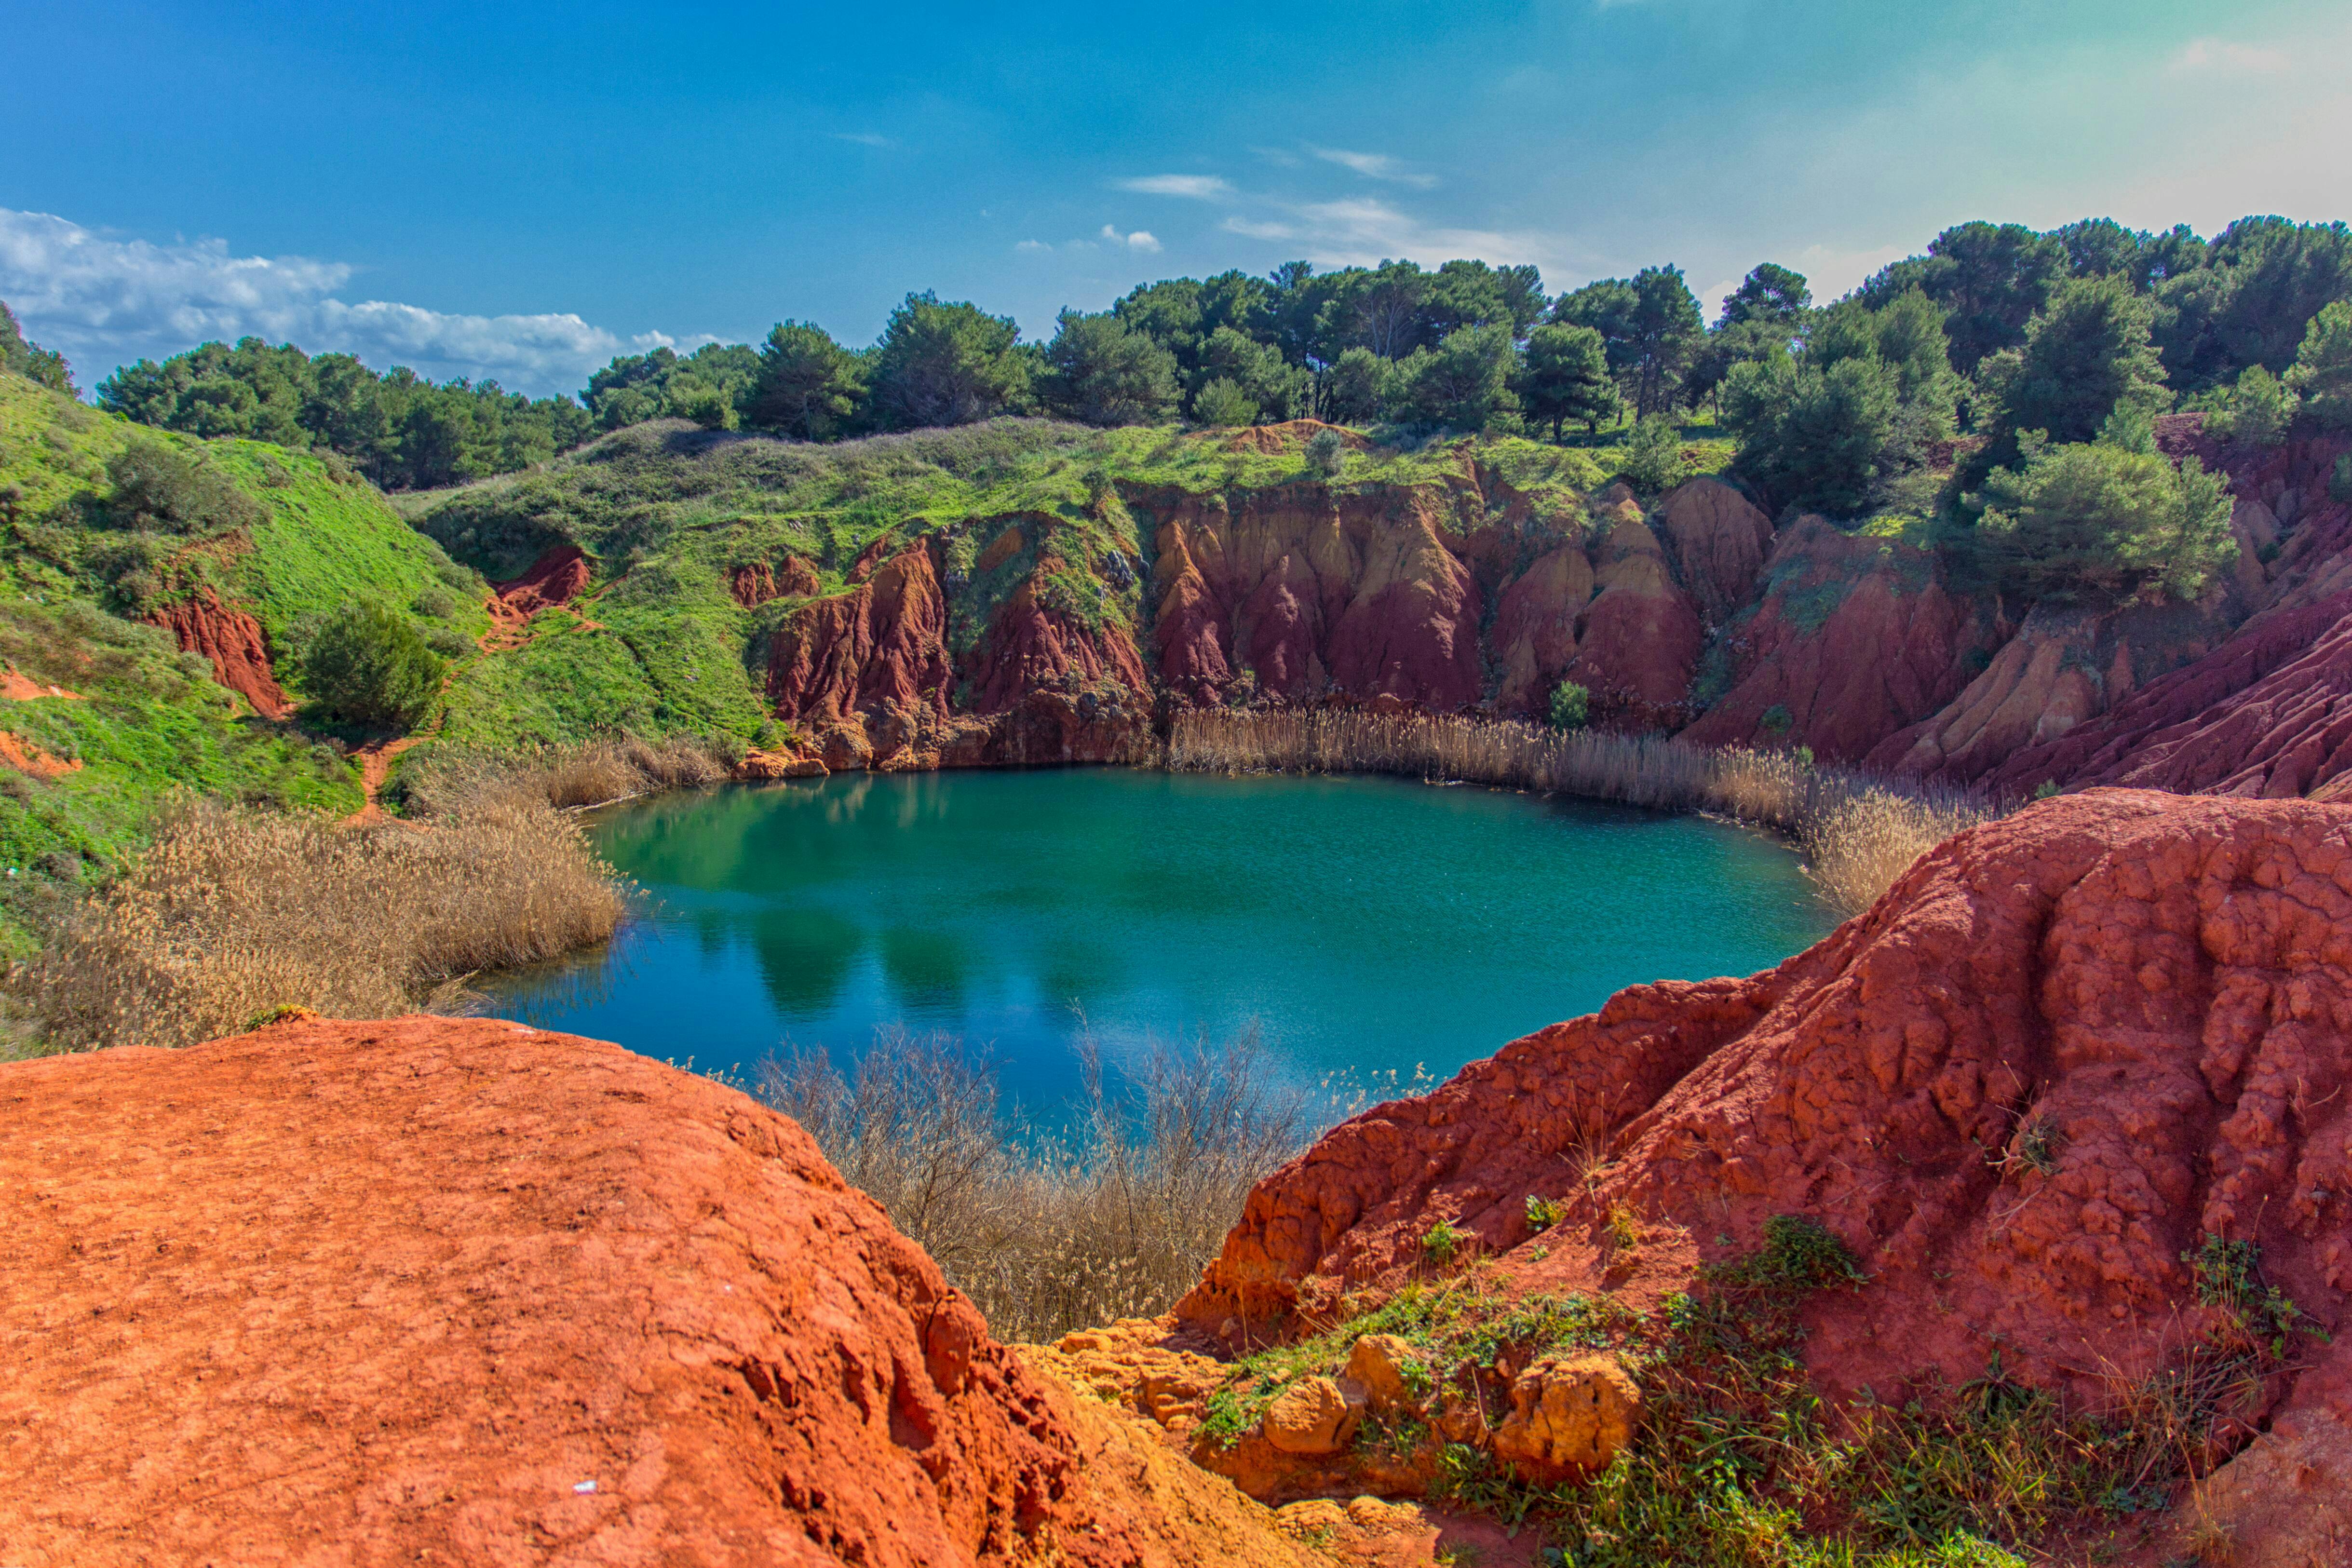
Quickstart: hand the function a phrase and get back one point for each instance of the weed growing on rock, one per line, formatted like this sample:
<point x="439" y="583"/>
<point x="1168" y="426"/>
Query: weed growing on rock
<point x="1441" y="1243"/>
<point x="1544" y="1213"/>
<point x="2258" y="1314"/>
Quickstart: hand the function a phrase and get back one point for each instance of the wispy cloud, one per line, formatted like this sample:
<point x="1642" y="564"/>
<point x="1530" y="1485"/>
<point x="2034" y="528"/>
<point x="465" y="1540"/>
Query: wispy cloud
<point x="1195" y="187"/>
<point x="1033" y="247"/>
<point x="2222" y="55"/>
<point x="1375" y="166"/>
<point x="863" y="138"/>
<point x="1365" y="230"/>
<point x="104" y="301"/>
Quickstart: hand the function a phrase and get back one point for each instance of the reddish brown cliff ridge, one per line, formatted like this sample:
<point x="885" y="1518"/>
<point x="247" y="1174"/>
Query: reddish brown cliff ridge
<point x="1693" y="615"/>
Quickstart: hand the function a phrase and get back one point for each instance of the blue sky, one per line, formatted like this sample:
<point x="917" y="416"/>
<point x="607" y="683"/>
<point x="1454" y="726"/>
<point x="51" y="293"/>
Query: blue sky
<point x="523" y="190"/>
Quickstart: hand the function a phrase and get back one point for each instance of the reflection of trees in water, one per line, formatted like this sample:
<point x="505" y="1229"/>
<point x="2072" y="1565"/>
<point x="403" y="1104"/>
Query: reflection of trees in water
<point x="928" y="970"/>
<point x="805" y="958"/>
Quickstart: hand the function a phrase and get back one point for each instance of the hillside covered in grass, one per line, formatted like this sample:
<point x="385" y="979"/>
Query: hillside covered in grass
<point x="113" y="716"/>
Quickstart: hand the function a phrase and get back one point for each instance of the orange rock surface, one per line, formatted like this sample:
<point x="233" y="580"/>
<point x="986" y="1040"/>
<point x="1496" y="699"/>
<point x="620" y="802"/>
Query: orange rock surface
<point x="233" y="640"/>
<point x="559" y="576"/>
<point x="458" y="1291"/>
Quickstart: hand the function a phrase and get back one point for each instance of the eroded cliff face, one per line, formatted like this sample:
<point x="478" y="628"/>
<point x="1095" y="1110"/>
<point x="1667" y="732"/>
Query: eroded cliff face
<point x="235" y="644"/>
<point x="439" y="1289"/>
<point x="2060" y="1050"/>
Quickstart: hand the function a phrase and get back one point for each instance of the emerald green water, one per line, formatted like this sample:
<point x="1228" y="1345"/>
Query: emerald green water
<point x="1362" y="924"/>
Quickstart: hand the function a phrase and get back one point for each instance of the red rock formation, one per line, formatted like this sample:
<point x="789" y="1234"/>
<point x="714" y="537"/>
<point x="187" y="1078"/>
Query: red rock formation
<point x="2267" y="714"/>
<point x="2064" y="666"/>
<point x="27" y="758"/>
<point x="1719" y="540"/>
<point x="2061" y="1048"/>
<point x="1638" y="641"/>
<point x="1534" y="634"/>
<point x="881" y="646"/>
<point x="234" y="642"/>
<point x="1029" y="645"/>
<point x="559" y="576"/>
<point x="1854" y="640"/>
<point x="1313" y="590"/>
<point x="756" y="584"/>
<point x="458" y="1291"/>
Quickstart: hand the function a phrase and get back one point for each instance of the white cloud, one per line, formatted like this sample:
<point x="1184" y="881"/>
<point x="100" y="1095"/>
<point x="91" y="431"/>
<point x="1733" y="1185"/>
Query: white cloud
<point x="104" y="301"/>
<point x="1365" y="231"/>
<point x="2221" y="55"/>
<point x="1194" y="187"/>
<point x="1032" y="246"/>
<point x="1141" y="239"/>
<point x="1375" y="166"/>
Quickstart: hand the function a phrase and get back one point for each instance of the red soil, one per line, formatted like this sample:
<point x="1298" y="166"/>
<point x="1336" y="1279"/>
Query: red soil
<point x="2158" y="982"/>
<point x="879" y="649"/>
<point x="457" y="1292"/>
<point x="233" y="640"/>
<point x="1854" y="640"/>
<point x="555" y="579"/>
<point x="17" y="687"/>
<point x="27" y="758"/>
<point x="756" y="584"/>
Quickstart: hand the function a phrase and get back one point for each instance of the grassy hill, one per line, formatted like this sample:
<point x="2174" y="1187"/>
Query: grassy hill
<point x="77" y="580"/>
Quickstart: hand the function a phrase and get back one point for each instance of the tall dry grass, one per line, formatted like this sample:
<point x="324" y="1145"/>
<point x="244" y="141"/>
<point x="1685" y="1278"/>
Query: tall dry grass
<point x="1858" y="833"/>
<point x="233" y="913"/>
<point x="597" y="773"/>
<point x="1049" y="1233"/>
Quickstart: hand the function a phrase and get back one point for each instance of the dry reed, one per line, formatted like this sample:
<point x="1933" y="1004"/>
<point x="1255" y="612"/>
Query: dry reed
<point x="1858" y="833"/>
<point x="233" y="913"/>
<point x="1046" y="1232"/>
<point x="598" y="772"/>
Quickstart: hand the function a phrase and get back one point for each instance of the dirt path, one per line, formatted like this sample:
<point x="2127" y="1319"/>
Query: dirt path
<point x="375" y="766"/>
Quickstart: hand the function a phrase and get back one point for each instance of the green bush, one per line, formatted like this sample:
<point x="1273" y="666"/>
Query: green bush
<point x="2096" y="520"/>
<point x="1327" y="453"/>
<point x="1654" y="456"/>
<point x="368" y="665"/>
<point x="1572" y="706"/>
<point x="1220" y="402"/>
<point x="2322" y="373"/>
<point x="2257" y="413"/>
<point x="168" y="491"/>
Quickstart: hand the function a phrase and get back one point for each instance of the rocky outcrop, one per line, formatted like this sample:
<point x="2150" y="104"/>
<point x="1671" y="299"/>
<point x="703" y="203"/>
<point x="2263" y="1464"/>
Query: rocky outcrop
<point x="2268" y="713"/>
<point x="453" y="1290"/>
<point x="755" y="584"/>
<point x="233" y="643"/>
<point x="559" y="576"/>
<point x="1852" y="639"/>
<point x="1311" y="589"/>
<point x="1638" y="641"/>
<point x="868" y="668"/>
<point x="2060" y="1050"/>
<point x="1719" y="540"/>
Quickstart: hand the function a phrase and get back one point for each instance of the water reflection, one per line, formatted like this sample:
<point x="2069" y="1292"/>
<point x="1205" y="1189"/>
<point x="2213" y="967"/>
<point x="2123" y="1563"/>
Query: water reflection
<point x="1366" y="924"/>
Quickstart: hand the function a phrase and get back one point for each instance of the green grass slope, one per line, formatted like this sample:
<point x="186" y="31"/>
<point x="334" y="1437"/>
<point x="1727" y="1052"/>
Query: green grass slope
<point x="147" y="721"/>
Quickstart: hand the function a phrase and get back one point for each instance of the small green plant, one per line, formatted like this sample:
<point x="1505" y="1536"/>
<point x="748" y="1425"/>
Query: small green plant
<point x="1327" y="453"/>
<point x="1625" y="1228"/>
<point x="1441" y="1243"/>
<point x="1544" y="1213"/>
<point x="1654" y="456"/>
<point x="2339" y="479"/>
<point x="2229" y="1279"/>
<point x="1222" y="403"/>
<point x="2045" y="789"/>
<point x="1572" y="706"/>
<point x="1775" y="719"/>
<point x="1222" y="1420"/>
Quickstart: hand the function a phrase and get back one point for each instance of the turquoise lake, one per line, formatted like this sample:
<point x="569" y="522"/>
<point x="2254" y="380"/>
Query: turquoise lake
<point x="1364" y="926"/>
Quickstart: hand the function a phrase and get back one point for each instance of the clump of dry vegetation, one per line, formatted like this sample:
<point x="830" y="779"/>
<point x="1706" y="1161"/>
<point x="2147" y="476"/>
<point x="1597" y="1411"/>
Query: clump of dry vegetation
<point x="598" y="772"/>
<point x="1859" y="834"/>
<point x="234" y="913"/>
<point x="1044" y="1232"/>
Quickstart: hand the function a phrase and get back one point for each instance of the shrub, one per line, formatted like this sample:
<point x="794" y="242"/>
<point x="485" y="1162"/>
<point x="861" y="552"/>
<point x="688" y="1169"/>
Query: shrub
<point x="2257" y="413"/>
<point x="1046" y="1235"/>
<point x="367" y="664"/>
<point x="1327" y="453"/>
<point x="1220" y="402"/>
<point x="232" y="913"/>
<point x="160" y="488"/>
<point x="2322" y="373"/>
<point x="1572" y="706"/>
<point x="1654" y="456"/>
<point x="2099" y="519"/>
